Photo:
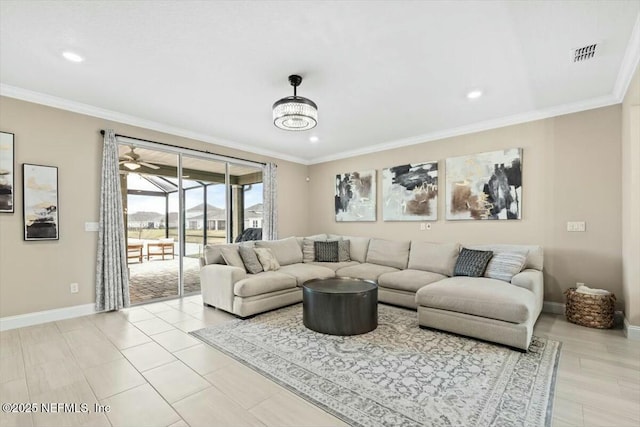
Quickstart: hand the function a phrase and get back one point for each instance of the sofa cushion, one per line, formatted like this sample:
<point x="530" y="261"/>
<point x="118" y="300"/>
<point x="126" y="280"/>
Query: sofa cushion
<point x="335" y="266"/>
<point x="326" y="251"/>
<point x="263" y="283"/>
<point x="365" y="271"/>
<point x="303" y="272"/>
<point x="250" y="259"/>
<point x="479" y="296"/>
<point x="308" y="247"/>
<point x="358" y="246"/>
<point x="308" y="250"/>
<point x="318" y="237"/>
<point x="535" y="254"/>
<point x="344" y="253"/>
<point x="212" y="254"/>
<point x="267" y="259"/>
<point x="287" y="251"/>
<point x="231" y="256"/>
<point x="434" y="257"/>
<point x="472" y="263"/>
<point x="408" y="280"/>
<point x="505" y="265"/>
<point x="391" y="253"/>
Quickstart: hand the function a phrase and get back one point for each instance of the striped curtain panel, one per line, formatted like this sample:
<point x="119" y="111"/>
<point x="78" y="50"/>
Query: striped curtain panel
<point x="112" y="277"/>
<point x="269" y="200"/>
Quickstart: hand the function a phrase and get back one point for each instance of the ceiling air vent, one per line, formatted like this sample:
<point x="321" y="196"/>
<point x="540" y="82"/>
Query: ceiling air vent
<point x="585" y="53"/>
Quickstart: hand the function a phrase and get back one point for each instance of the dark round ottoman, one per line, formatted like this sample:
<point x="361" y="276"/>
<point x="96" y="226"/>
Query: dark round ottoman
<point x="340" y="306"/>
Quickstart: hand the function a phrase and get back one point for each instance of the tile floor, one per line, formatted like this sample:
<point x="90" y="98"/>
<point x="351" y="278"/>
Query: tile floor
<point x="143" y="364"/>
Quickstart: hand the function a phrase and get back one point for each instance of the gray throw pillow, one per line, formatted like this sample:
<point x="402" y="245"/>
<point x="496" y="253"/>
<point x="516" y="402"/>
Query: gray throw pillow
<point x="344" y="254"/>
<point x="505" y="265"/>
<point x="472" y="263"/>
<point x="250" y="260"/>
<point x="232" y="257"/>
<point x="212" y="254"/>
<point x="267" y="259"/>
<point x="308" y="250"/>
<point x="326" y="251"/>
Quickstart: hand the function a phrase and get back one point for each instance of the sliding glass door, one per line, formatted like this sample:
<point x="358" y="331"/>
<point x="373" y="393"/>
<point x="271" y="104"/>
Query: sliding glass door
<point x="205" y="213"/>
<point x="150" y="195"/>
<point x="177" y="203"/>
<point x="245" y="198"/>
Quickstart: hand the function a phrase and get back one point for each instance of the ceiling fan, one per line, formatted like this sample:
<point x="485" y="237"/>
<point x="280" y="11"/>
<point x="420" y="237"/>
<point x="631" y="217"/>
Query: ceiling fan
<point x="131" y="161"/>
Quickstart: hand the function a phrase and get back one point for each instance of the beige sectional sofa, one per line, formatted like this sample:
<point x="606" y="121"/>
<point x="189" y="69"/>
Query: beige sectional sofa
<point x="412" y="274"/>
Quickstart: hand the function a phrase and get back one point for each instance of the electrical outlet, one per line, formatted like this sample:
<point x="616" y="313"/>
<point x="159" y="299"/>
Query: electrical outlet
<point x="428" y="226"/>
<point x="423" y="226"/>
<point x="73" y="288"/>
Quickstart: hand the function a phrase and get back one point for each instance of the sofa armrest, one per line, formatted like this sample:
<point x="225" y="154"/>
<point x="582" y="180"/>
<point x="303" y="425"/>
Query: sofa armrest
<point x="532" y="280"/>
<point x="216" y="283"/>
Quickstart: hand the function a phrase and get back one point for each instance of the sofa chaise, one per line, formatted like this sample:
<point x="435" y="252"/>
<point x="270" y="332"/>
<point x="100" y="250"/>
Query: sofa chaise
<point x="411" y="274"/>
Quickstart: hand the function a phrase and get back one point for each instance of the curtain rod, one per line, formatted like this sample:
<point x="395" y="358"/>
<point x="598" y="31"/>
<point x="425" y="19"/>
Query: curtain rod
<point x="175" y="146"/>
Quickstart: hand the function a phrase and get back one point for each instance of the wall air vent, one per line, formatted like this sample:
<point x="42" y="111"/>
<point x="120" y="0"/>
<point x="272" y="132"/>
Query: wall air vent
<point x="584" y="53"/>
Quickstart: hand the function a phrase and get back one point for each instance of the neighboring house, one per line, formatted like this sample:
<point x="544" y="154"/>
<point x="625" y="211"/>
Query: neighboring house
<point x="143" y="219"/>
<point x="253" y="216"/>
<point x="173" y="220"/>
<point x="216" y="218"/>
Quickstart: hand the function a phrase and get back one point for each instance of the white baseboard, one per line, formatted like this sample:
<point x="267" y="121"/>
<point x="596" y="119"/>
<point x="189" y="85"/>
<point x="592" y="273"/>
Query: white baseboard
<point x="631" y="332"/>
<point x="29" y="319"/>
<point x="553" y="307"/>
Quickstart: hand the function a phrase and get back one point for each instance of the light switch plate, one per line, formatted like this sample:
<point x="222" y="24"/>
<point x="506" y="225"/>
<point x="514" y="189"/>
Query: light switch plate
<point x="91" y="226"/>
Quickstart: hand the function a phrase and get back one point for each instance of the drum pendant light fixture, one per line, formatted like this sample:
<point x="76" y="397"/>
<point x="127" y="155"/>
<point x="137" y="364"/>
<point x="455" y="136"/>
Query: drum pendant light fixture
<point x="295" y="112"/>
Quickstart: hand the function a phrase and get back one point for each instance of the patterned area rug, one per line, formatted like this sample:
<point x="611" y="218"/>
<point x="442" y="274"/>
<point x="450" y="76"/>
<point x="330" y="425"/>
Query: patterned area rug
<point x="399" y="374"/>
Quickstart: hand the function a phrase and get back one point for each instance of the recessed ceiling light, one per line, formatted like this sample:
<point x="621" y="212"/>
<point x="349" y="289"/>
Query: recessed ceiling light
<point x="474" y="94"/>
<point x="314" y="139"/>
<point x="72" y="56"/>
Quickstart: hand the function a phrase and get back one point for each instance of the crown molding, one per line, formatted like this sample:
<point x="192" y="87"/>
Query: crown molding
<point x="604" y="101"/>
<point x="629" y="63"/>
<point x="90" y="110"/>
<point x="559" y="110"/>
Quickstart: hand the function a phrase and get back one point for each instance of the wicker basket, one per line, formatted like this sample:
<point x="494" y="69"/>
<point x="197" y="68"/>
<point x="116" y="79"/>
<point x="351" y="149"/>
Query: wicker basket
<point x="593" y="311"/>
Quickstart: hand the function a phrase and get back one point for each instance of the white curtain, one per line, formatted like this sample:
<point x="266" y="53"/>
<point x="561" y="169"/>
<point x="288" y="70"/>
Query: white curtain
<point x="269" y="200"/>
<point x="112" y="278"/>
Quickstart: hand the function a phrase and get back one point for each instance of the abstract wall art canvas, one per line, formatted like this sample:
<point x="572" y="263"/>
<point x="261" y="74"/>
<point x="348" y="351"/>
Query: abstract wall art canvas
<point x="356" y="196"/>
<point x="7" y="180"/>
<point x="40" y="202"/>
<point x="410" y="192"/>
<point x="485" y="186"/>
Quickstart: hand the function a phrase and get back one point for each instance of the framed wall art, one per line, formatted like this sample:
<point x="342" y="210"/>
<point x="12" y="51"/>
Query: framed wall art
<point x="7" y="174"/>
<point x="410" y="192"/>
<point x="40" y="202"/>
<point x="355" y="198"/>
<point x="485" y="186"/>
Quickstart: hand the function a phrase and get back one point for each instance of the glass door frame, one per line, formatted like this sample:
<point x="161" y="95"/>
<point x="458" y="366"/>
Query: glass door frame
<point x="179" y="152"/>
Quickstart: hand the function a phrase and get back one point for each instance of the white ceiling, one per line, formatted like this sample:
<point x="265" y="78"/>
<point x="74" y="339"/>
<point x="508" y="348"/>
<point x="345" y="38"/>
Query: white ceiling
<point x="383" y="74"/>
